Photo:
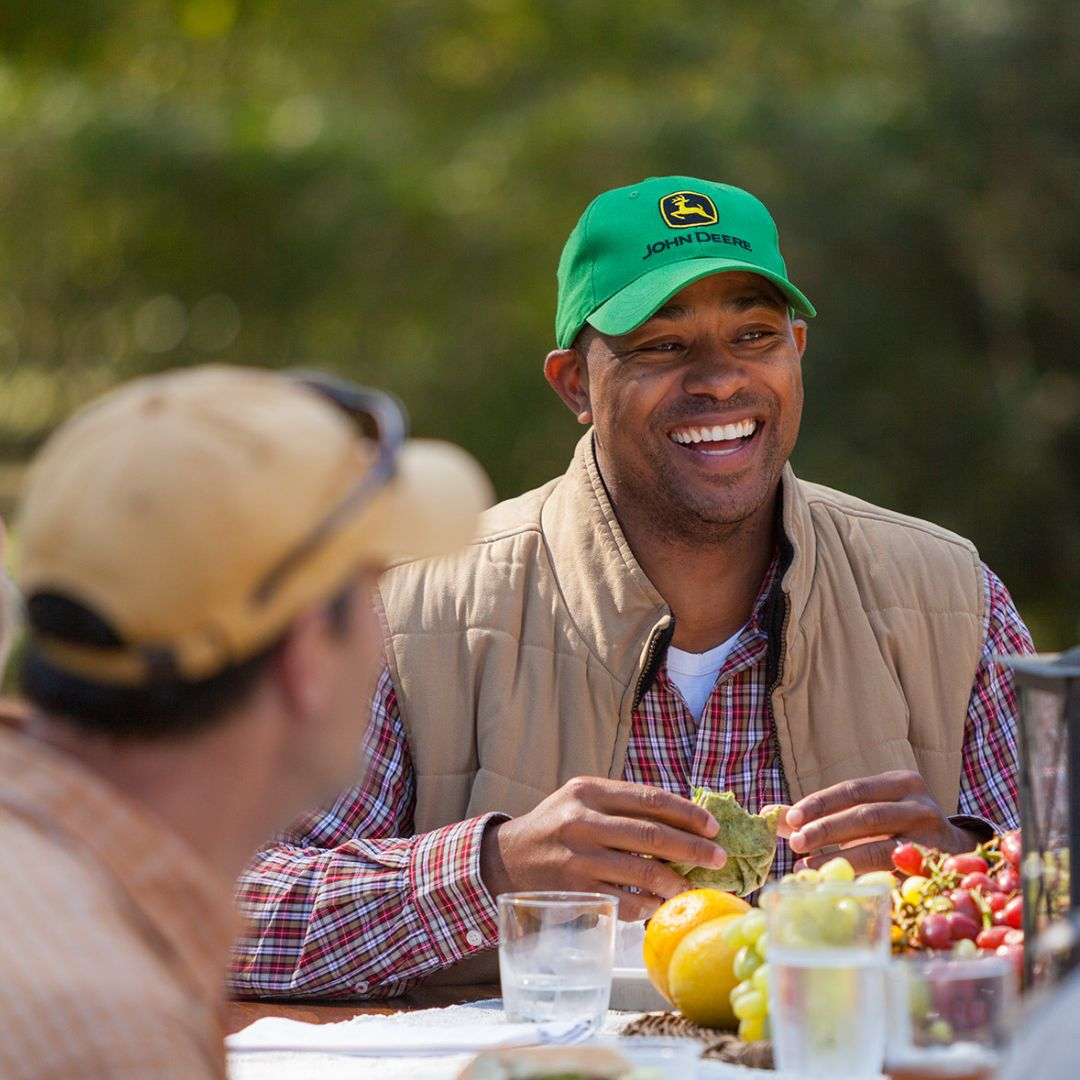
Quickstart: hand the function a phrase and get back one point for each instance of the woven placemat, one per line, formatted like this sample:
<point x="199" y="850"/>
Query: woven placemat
<point x="719" y="1045"/>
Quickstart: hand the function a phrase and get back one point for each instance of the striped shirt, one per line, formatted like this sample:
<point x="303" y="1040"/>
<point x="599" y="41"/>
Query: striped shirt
<point x="350" y="902"/>
<point x="115" y="933"/>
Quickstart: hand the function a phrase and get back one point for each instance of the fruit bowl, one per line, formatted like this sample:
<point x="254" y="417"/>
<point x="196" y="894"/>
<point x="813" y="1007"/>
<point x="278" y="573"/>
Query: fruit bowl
<point x="632" y="990"/>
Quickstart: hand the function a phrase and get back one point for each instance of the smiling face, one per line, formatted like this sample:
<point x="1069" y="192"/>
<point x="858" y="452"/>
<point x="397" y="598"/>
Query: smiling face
<point x="697" y="410"/>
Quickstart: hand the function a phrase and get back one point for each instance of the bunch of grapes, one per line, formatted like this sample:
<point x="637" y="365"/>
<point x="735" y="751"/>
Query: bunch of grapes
<point x="960" y="903"/>
<point x="750" y="997"/>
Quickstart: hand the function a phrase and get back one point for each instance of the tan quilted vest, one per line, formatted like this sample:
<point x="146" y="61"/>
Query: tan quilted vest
<point x="518" y="663"/>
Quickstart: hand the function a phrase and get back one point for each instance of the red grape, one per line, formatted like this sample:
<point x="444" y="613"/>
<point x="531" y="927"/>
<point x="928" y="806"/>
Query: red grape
<point x="1008" y="879"/>
<point x="935" y="932"/>
<point x="992" y="937"/>
<point x="965" y="864"/>
<point x="908" y="859"/>
<point x="1013" y="937"/>
<point x="1014" y="912"/>
<point x="996" y="901"/>
<point x="1015" y="953"/>
<point x="961" y="926"/>
<point x="964" y="902"/>
<point x="978" y="880"/>
<point x="1010" y="848"/>
<point x="999" y="918"/>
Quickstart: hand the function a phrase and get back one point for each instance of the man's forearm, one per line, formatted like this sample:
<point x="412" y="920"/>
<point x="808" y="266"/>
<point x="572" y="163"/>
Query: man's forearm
<point x="370" y="918"/>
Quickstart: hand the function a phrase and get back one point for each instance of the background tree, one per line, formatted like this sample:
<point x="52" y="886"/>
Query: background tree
<point x="383" y="188"/>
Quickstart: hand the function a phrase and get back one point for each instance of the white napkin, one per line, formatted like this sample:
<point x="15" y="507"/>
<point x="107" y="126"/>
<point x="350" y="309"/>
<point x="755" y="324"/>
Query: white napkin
<point x="384" y="1039"/>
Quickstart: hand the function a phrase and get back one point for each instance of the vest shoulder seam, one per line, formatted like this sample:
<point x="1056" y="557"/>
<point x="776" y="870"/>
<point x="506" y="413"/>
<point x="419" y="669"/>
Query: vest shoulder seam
<point x="850" y="506"/>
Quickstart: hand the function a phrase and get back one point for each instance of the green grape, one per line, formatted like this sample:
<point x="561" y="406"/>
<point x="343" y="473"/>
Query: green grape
<point x="762" y="945"/>
<point x="747" y="962"/>
<point x="732" y="934"/>
<point x="750" y="1005"/>
<point x="842" y="922"/>
<point x="838" y="869"/>
<point x="739" y="989"/>
<point x="808" y="876"/>
<point x="911" y="891"/>
<point x="940" y="1031"/>
<point x="760" y="979"/>
<point x="752" y="1029"/>
<point x="753" y="924"/>
<point x="877" y="877"/>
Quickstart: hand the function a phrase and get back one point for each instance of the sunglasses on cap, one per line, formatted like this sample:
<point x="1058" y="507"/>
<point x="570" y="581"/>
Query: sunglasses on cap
<point x="378" y="417"/>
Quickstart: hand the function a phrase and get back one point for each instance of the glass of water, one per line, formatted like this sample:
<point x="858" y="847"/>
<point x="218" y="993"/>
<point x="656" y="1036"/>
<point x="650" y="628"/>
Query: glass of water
<point x="555" y="953"/>
<point x="828" y="952"/>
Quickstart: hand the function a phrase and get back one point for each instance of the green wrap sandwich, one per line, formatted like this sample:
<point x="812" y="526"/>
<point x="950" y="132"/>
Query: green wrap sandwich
<point x="749" y="840"/>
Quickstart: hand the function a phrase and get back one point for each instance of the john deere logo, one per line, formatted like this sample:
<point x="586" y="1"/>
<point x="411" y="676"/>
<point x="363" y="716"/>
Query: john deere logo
<point x="684" y="209"/>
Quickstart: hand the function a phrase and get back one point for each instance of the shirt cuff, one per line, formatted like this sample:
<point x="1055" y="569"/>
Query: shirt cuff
<point x="983" y="828"/>
<point x="452" y="899"/>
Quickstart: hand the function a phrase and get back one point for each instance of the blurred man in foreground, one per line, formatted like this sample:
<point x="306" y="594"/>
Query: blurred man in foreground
<point x="677" y="610"/>
<point x="199" y="551"/>
<point x="9" y="607"/>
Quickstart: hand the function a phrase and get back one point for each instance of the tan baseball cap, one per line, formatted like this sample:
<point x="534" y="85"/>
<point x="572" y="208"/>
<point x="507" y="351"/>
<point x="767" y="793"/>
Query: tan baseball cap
<point x="198" y="512"/>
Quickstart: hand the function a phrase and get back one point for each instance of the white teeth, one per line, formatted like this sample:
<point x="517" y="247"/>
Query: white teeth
<point x="718" y="433"/>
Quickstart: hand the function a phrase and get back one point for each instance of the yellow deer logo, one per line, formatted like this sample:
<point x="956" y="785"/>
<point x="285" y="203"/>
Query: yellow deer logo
<point x="683" y="209"/>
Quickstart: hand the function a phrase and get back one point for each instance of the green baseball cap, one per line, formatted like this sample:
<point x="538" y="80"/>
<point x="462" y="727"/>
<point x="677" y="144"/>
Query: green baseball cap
<point x="636" y="246"/>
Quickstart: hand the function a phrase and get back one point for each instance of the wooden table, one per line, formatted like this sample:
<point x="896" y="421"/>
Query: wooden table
<point x="241" y="1013"/>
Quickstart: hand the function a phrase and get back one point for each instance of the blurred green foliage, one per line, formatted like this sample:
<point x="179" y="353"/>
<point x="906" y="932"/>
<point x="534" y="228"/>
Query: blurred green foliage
<point x="383" y="188"/>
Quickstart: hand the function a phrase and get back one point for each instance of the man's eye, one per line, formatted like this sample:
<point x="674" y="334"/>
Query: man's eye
<point x="659" y="347"/>
<point x="756" y="335"/>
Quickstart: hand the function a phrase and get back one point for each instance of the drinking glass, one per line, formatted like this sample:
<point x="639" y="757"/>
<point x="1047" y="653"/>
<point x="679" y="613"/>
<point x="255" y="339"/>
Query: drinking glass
<point x="555" y="953"/>
<point x="949" y="1019"/>
<point x="828" y="951"/>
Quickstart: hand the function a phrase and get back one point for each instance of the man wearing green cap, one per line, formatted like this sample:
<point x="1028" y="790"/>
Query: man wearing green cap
<point x="677" y="610"/>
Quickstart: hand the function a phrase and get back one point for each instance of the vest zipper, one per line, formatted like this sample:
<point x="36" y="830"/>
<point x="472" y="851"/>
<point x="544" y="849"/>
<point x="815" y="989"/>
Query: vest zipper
<point x="661" y="635"/>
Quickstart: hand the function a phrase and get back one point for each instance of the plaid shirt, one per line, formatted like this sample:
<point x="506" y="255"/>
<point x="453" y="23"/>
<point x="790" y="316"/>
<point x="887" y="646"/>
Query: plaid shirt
<point x="350" y="902"/>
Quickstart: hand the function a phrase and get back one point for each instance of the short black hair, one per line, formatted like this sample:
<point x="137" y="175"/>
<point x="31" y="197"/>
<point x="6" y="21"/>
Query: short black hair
<point x="168" y="707"/>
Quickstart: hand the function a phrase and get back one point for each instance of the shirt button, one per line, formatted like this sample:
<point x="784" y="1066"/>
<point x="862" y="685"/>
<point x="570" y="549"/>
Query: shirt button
<point x="475" y="938"/>
<point x="361" y="987"/>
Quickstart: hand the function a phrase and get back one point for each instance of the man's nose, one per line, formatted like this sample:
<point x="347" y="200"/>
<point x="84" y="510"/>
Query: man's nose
<point x="715" y="370"/>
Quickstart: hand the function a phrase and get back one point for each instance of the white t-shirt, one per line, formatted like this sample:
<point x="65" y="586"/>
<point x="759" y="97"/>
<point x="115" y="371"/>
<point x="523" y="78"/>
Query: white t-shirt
<point x="695" y="673"/>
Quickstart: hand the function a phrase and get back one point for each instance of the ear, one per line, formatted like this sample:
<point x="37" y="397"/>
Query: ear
<point x="565" y="370"/>
<point x="798" y="332"/>
<point x="304" y="666"/>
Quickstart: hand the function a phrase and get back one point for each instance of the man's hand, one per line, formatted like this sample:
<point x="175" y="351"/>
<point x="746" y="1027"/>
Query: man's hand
<point x="590" y="836"/>
<point x="866" y="817"/>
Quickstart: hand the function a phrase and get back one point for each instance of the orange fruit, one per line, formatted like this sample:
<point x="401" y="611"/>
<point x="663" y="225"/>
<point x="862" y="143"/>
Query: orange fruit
<point x="701" y="975"/>
<point x="674" y="919"/>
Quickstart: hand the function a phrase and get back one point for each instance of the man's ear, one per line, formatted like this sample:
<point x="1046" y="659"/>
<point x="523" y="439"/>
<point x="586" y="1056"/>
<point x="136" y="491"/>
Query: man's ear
<point x="798" y="332"/>
<point x="303" y="665"/>
<point x="566" y="371"/>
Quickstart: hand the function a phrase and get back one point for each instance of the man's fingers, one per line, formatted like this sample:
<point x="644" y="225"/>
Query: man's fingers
<point x="662" y="841"/>
<point x="783" y="828"/>
<point x="649" y="875"/>
<point x="876" y="855"/>
<point x="635" y="907"/>
<point x="860" y="823"/>
<point x="886" y="787"/>
<point x="620" y="797"/>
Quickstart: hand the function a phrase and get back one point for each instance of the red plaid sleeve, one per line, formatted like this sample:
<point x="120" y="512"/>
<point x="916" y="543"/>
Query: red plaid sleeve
<point x="988" y="780"/>
<point x="349" y="903"/>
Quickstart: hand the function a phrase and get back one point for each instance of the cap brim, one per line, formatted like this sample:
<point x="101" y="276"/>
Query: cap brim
<point x="636" y="302"/>
<point x="430" y="507"/>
